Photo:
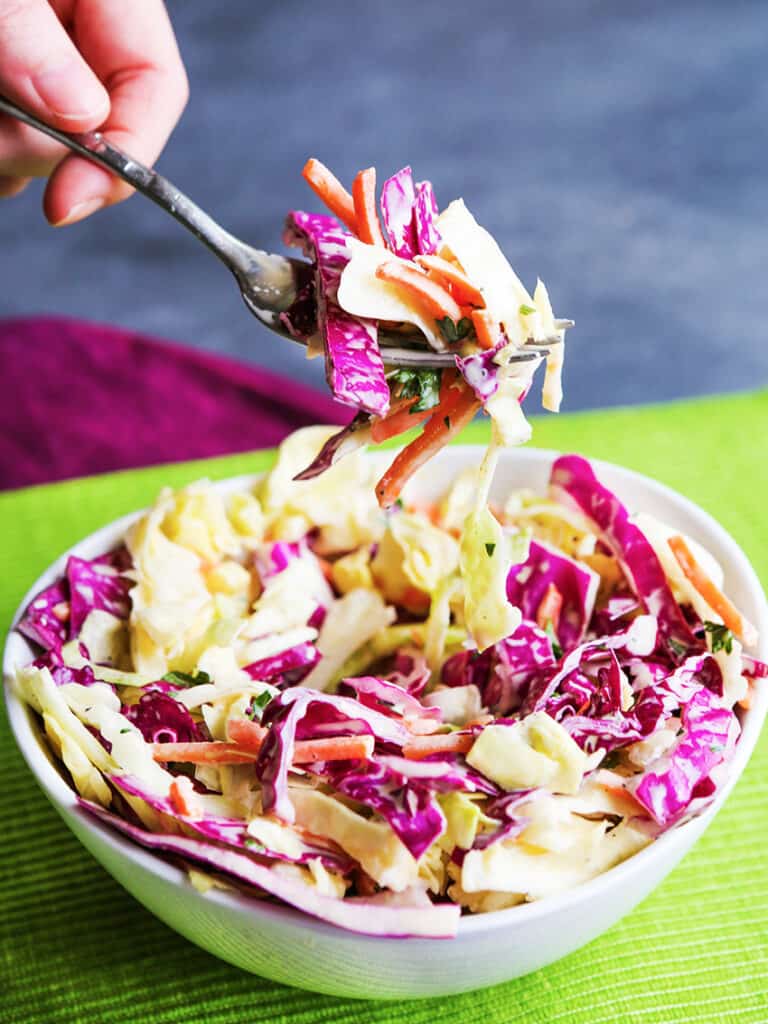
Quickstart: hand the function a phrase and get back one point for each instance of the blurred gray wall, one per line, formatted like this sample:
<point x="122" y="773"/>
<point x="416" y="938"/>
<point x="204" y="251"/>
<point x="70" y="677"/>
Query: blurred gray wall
<point x="616" y="149"/>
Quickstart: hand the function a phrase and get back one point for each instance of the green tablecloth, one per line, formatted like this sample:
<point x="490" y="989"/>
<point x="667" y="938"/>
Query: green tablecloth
<point x="74" y="947"/>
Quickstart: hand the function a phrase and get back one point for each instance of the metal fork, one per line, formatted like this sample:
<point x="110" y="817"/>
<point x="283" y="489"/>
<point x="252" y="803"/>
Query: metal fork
<point x="268" y="283"/>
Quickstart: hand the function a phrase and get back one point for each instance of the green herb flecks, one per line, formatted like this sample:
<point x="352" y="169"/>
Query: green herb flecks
<point x="453" y="332"/>
<point x="187" y="679"/>
<point x="526" y="310"/>
<point x="424" y="385"/>
<point x="489" y="549"/>
<point x="256" y="710"/>
<point x="720" y="637"/>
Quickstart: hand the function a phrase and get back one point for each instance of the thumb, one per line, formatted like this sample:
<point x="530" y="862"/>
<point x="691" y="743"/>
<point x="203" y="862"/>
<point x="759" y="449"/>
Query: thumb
<point x="41" y="70"/>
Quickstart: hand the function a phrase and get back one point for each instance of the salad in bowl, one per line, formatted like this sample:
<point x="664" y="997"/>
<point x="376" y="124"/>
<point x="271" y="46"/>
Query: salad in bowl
<point x="390" y="720"/>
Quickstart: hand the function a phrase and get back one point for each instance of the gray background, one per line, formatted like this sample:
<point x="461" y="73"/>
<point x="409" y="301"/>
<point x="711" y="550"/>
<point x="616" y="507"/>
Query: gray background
<point x="615" y="149"/>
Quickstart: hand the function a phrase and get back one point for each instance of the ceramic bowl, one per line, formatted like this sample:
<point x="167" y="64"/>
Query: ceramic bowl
<point x="290" y="947"/>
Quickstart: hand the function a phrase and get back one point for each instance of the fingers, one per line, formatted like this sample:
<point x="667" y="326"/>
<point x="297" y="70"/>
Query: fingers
<point x="138" y="61"/>
<point x="41" y="69"/>
<point x="10" y="187"/>
<point x="25" y="152"/>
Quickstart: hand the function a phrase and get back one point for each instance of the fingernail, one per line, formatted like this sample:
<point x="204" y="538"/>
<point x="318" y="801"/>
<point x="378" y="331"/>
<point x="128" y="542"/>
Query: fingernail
<point x="80" y="211"/>
<point x="70" y="92"/>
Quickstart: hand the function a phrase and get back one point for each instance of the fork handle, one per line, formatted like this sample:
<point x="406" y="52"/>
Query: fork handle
<point x="94" y="147"/>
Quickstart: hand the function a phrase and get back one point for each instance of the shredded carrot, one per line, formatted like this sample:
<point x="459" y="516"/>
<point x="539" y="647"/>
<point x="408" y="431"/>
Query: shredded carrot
<point x="182" y="797"/>
<point x="246" y="734"/>
<point x="746" y="701"/>
<point x="366" y="215"/>
<point x="436" y="300"/>
<point x="454" y="279"/>
<point x="414" y="600"/>
<point x="328" y="187"/>
<point x="550" y="607"/>
<point x="714" y="597"/>
<point x="449" y="419"/>
<point x="453" y="743"/>
<point x="326" y="567"/>
<point x="333" y="748"/>
<point x="398" y="419"/>
<point x="202" y="753"/>
<point x="486" y="328"/>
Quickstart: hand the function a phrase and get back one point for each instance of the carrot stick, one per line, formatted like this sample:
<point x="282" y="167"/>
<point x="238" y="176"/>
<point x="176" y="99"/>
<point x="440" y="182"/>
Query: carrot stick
<point x="182" y="796"/>
<point x="448" y="420"/>
<point x="203" y="753"/>
<point x="435" y="299"/>
<point x="486" y="328"/>
<point x="419" y="747"/>
<point x="714" y="597"/>
<point x="457" y="282"/>
<point x="366" y="215"/>
<point x="331" y="748"/>
<point x="246" y="734"/>
<point x="550" y="607"/>
<point x="398" y="419"/>
<point x="328" y="187"/>
<point x="746" y="701"/>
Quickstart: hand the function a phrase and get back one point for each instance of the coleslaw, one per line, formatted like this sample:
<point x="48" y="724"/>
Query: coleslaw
<point x="414" y="269"/>
<point x="391" y="719"/>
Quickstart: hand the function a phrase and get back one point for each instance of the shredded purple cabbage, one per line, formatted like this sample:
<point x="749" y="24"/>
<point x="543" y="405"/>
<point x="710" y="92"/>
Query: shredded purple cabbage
<point x="398" y="199"/>
<point x="528" y="583"/>
<point x="354" y="366"/>
<point x="161" y="719"/>
<point x="573" y="482"/>
<point x="425" y="217"/>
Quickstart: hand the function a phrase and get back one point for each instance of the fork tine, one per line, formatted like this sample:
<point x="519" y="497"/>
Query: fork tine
<point x="436" y="360"/>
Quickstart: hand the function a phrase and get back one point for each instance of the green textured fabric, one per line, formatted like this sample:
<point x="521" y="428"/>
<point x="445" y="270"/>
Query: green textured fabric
<point x="74" y="947"/>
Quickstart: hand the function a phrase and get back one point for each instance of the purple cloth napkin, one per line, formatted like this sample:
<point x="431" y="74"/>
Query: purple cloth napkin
<point x="80" y="398"/>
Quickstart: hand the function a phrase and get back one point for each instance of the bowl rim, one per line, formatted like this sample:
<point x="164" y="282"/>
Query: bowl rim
<point x="65" y="798"/>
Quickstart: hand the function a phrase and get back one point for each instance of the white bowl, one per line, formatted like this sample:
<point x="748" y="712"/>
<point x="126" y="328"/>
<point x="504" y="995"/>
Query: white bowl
<point x="290" y="947"/>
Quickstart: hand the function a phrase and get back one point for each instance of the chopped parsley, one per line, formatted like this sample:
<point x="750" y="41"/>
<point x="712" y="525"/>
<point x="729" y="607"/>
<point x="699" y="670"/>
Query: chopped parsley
<point x="258" y="704"/>
<point x="716" y="748"/>
<point x="489" y="549"/>
<point x="187" y="679"/>
<point x="124" y="731"/>
<point x="720" y="637"/>
<point x="254" y="845"/>
<point x="454" y="332"/>
<point x="422" y="384"/>
<point x="549" y="629"/>
<point x="526" y="310"/>
<point x="399" y="503"/>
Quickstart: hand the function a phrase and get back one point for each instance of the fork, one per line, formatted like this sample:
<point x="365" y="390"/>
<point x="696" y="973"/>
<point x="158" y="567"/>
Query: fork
<point x="268" y="283"/>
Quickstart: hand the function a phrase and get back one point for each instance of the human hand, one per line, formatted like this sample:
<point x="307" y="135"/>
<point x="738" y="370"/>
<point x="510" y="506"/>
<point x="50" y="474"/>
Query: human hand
<point x="81" y="65"/>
